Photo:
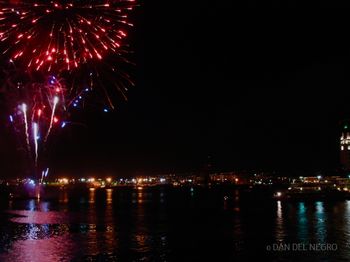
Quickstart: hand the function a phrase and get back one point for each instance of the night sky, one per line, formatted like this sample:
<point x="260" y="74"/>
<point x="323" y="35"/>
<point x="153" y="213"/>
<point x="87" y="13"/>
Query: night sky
<point x="252" y="88"/>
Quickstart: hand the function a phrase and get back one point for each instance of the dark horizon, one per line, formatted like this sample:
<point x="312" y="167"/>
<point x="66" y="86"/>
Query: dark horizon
<point x="251" y="89"/>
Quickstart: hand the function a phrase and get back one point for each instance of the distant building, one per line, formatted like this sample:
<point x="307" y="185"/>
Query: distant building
<point x="203" y="177"/>
<point x="345" y="145"/>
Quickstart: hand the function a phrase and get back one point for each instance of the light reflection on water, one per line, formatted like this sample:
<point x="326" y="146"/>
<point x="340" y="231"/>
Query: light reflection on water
<point x="303" y="230"/>
<point x="162" y="224"/>
<point x="280" y="231"/>
<point x="320" y="222"/>
<point x="347" y="220"/>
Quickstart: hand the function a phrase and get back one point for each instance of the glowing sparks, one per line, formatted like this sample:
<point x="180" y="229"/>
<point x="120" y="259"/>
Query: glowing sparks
<point x="24" y="110"/>
<point x="60" y="35"/>
<point x="35" y="138"/>
<point x="55" y="102"/>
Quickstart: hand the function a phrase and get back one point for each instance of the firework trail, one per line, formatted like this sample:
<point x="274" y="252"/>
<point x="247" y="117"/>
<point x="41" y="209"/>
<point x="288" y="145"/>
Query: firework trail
<point x="55" y="101"/>
<point x="42" y="99"/>
<point x="35" y="138"/>
<point x="24" y="110"/>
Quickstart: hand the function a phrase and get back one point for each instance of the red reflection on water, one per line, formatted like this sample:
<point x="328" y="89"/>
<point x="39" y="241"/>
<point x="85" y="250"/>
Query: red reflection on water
<point x="39" y="217"/>
<point x="52" y="249"/>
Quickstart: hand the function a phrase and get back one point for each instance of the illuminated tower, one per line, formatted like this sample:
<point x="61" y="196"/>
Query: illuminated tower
<point x="345" y="146"/>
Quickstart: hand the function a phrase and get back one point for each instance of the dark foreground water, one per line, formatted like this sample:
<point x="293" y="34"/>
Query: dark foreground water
<point x="173" y="224"/>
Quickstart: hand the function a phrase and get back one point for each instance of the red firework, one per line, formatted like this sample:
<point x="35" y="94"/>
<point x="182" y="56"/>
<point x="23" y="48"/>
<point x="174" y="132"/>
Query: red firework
<point x="62" y="35"/>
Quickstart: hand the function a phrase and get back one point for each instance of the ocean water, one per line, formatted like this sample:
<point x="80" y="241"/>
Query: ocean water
<point x="172" y="224"/>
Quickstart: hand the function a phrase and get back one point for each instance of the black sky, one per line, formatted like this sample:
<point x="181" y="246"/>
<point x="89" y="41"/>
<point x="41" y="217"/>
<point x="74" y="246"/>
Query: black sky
<point x="253" y="88"/>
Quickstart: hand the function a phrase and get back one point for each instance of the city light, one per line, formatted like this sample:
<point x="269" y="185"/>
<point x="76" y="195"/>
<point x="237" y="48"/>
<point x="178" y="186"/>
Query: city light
<point x="278" y="194"/>
<point x="63" y="181"/>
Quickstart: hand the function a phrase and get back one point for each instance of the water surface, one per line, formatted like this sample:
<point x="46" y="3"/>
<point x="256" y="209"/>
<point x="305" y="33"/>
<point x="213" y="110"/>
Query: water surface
<point x="172" y="224"/>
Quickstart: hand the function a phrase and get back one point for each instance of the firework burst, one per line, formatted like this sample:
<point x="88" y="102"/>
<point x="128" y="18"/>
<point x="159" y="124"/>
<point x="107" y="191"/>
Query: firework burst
<point x="62" y="35"/>
<point x="56" y="52"/>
